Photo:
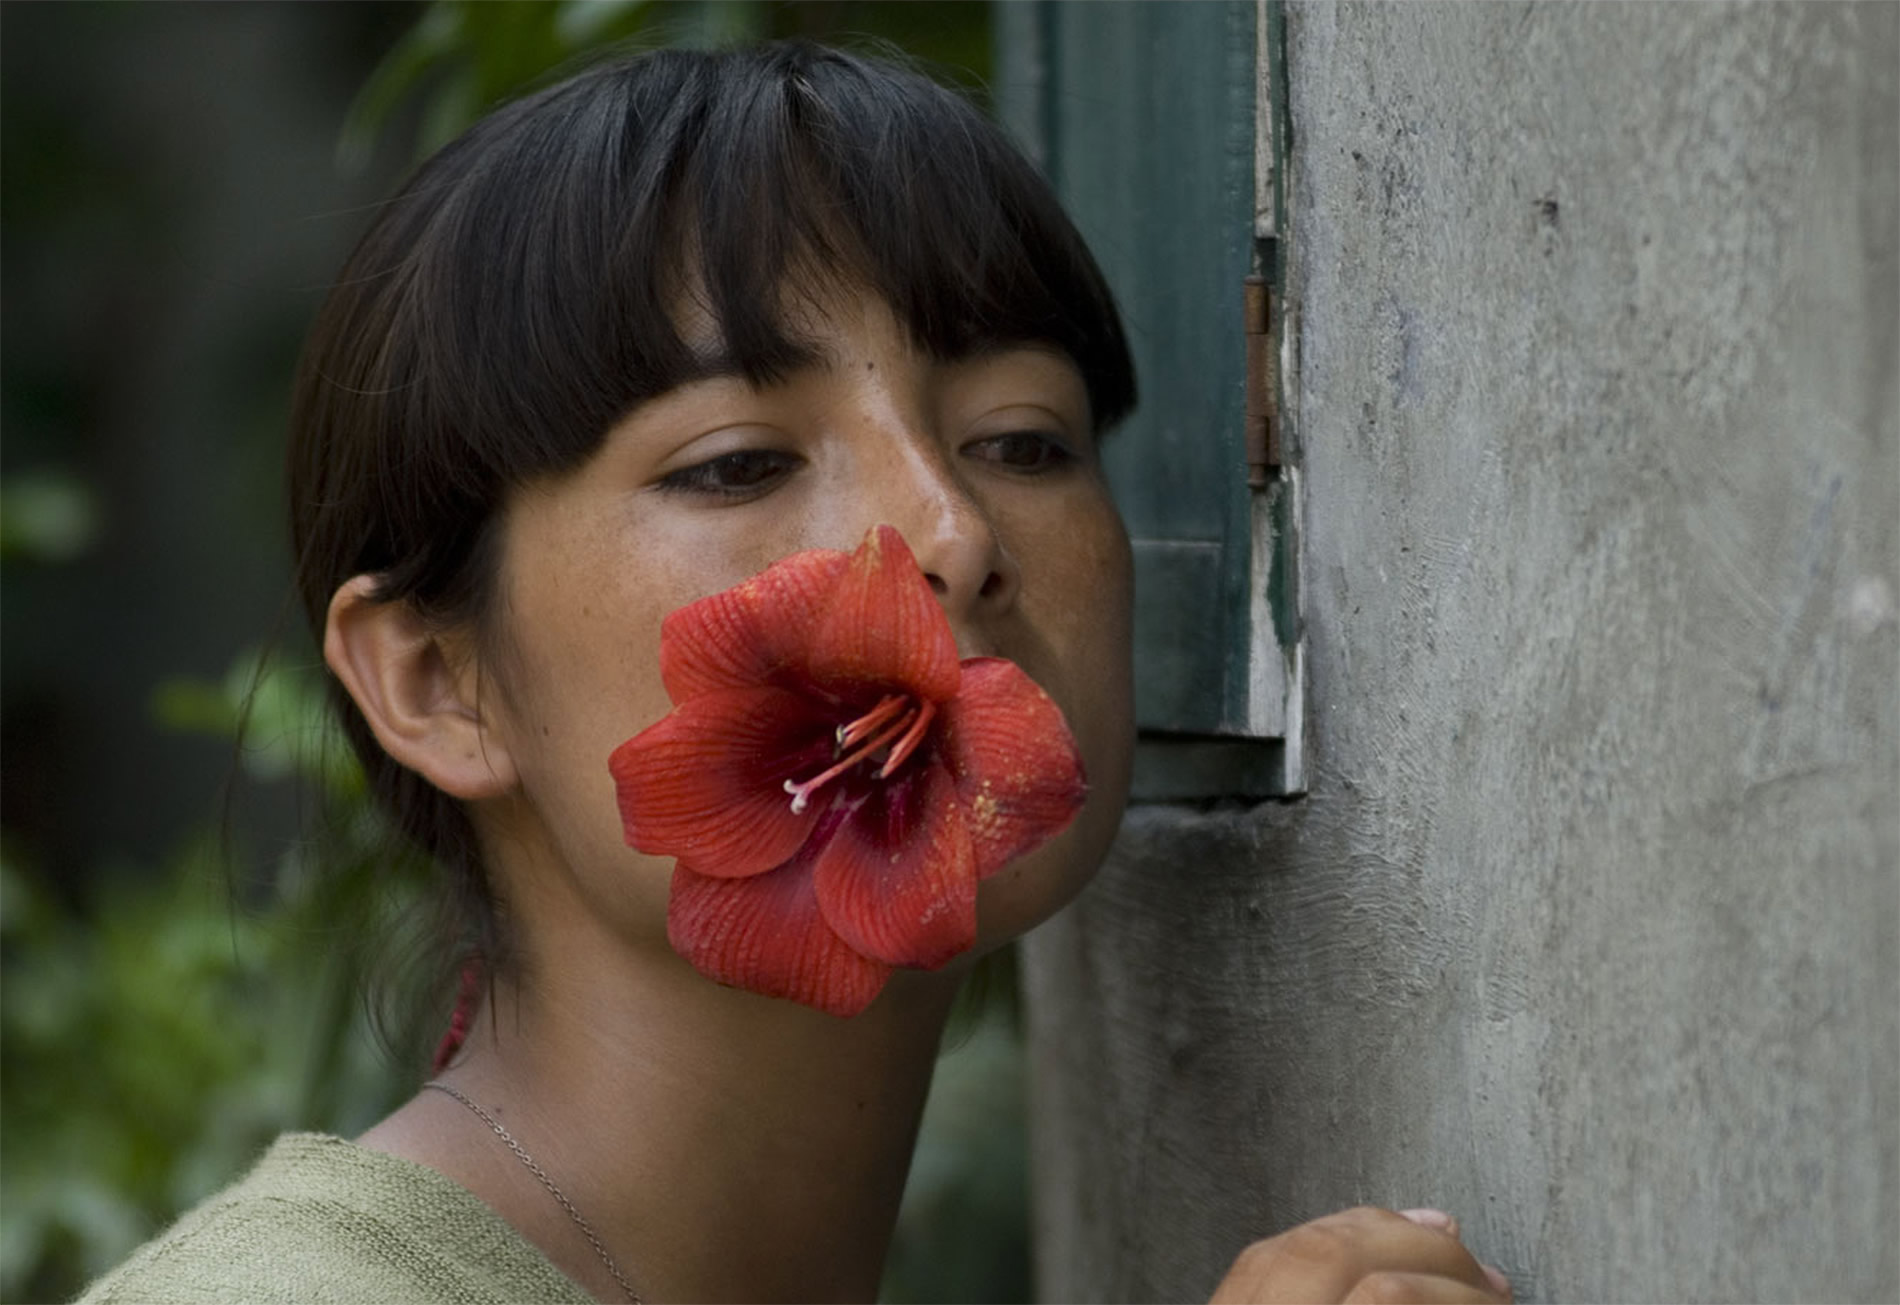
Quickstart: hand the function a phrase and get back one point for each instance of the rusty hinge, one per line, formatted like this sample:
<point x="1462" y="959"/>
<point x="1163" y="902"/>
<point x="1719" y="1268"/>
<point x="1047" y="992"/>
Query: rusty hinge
<point x="1263" y="383"/>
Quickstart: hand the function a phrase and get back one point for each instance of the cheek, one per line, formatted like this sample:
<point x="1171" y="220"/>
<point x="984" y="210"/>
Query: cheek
<point x="587" y="593"/>
<point x="585" y="679"/>
<point x="582" y="681"/>
<point x="1085" y="635"/>
<point x="580" y="676"/>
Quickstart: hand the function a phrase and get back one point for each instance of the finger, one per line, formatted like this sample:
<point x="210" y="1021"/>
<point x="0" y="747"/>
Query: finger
<point x="1427" y="1244"/>
<point x="1392" y="1287"/>
<point x="1324" y="1259"/>
<point x="1430" y="1218"/>
<point x="1427" y="1217"/>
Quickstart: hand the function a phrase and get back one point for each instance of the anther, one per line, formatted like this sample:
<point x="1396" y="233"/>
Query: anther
<point x="908" y="744"/>
<point x="863" y="725"/>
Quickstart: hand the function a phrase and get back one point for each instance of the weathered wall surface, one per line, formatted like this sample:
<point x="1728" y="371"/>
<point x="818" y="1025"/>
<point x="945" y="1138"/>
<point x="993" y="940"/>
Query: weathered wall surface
<point x="1587" y="929"/>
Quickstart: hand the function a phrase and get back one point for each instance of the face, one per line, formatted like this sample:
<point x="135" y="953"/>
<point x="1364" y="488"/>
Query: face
<point x="988" y="468"/>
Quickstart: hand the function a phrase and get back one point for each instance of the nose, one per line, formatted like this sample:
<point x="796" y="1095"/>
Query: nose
<point x="953" y="537"/>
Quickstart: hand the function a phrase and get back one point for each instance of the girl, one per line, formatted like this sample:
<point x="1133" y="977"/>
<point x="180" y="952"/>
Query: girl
<point x="625" y="344"/>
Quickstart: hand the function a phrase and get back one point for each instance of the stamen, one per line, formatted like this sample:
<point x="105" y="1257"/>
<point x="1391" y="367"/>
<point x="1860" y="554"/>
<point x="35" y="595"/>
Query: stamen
<point x="801" y="792"/>
<point x="908" y="744"/>
<point x="870" y="720"/>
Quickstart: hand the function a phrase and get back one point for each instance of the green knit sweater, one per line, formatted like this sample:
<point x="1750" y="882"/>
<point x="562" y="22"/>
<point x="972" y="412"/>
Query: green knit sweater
<point x="322" y="1219"/>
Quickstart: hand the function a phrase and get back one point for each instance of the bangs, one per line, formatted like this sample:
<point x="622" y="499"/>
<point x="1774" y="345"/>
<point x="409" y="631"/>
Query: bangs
<point x="746" y="180"/>
<point x="830" y="172"/>
<point x="528" y="287"/>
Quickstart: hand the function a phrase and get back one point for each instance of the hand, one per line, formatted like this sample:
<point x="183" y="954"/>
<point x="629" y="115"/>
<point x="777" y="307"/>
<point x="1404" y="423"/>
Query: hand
<point x="1367" y="1256"/>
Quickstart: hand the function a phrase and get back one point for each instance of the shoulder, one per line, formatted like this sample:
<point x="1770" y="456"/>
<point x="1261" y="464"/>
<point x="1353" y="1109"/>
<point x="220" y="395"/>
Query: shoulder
<point x="322" y="1219"/>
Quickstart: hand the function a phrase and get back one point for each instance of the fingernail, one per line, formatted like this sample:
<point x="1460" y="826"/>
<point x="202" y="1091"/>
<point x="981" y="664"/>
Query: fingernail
<point x="1496" y="1278"/>
<point x="1430" y="1218"/>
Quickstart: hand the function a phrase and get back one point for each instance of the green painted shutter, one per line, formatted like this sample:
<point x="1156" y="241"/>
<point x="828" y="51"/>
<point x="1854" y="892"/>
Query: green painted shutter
<point x="1143" y="117"/>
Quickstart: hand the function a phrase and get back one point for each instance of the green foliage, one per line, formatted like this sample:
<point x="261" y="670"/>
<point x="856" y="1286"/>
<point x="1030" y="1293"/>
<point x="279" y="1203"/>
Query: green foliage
<point x="963" y="1229"/>
<point x="151" y="1046"/>
<point x="281" y="719"/>
<point x="155" y="1035"/>
<point x="465" y="56"/>
<point x="46" y="516"/>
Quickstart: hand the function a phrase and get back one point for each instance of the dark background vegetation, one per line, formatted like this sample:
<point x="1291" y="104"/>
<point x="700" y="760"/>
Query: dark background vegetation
<point x="181" y="974"/>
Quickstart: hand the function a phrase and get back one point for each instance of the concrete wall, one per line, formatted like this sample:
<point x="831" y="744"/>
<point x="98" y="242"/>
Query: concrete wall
<point x="1587" y="929"/>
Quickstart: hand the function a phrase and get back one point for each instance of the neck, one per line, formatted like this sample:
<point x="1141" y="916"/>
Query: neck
<point x="724" y="1146"/>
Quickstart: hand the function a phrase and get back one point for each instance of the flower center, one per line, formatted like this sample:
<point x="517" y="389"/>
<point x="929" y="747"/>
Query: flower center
<point x="896" y="723"/>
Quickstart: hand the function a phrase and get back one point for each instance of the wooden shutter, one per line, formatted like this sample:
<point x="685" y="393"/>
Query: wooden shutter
<point x="1143" y="116"/>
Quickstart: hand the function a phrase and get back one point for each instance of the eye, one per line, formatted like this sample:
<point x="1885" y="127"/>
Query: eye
<point x="743" y="474"/>
<point x="1024" y="451"/>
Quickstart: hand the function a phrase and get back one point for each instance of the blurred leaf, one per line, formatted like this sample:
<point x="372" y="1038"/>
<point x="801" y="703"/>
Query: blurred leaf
<point x="580" y="23"/>
<point x="463" y="57"/>
<point x="721" y="24"/>
<point x="23" y="908"/>
<point x="962" y="1230"/>
<point x="192" y="706"/>
<point x="433" y="39"/>
<point x="46" y="516"/>
<point x="286" y="724"/>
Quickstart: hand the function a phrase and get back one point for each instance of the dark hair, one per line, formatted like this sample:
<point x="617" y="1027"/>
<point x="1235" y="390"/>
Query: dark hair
<point x="522" y="293"/>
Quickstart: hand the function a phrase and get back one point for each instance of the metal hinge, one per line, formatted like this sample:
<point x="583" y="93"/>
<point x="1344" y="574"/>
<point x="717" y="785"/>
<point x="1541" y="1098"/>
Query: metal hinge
<point x="1263" y="383"/>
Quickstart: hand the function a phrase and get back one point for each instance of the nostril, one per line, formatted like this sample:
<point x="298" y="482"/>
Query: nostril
<point x="992" y="585"/>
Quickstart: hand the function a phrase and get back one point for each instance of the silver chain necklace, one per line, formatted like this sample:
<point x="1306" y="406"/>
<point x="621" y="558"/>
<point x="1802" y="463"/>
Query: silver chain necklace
<point x="587" y="1229"/>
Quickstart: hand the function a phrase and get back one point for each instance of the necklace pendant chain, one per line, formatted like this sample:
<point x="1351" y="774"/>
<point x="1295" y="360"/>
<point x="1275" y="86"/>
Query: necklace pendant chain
<point x="587" y="1229"/>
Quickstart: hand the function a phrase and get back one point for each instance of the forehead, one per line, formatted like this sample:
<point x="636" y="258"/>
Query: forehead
<point x="818" y="320"/>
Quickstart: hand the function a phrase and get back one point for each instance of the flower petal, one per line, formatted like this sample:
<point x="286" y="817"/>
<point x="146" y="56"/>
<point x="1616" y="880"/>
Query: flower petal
<point x="766" y="934"/>
<point x="897" y="880"/>
<point x="752" y="633"/>
<point x="884" y="626"/>
<point x="1017" y="770"/>
<point x="707" y="783"/>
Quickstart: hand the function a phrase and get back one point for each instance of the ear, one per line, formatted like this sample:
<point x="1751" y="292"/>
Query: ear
<point x="420" y="698"/>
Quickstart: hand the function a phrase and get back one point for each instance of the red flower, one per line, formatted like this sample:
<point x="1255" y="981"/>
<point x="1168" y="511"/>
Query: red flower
<point x="832" y="781"/>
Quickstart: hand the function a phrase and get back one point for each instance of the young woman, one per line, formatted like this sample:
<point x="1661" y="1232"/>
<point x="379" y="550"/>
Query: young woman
<point x="624" y="345"/>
